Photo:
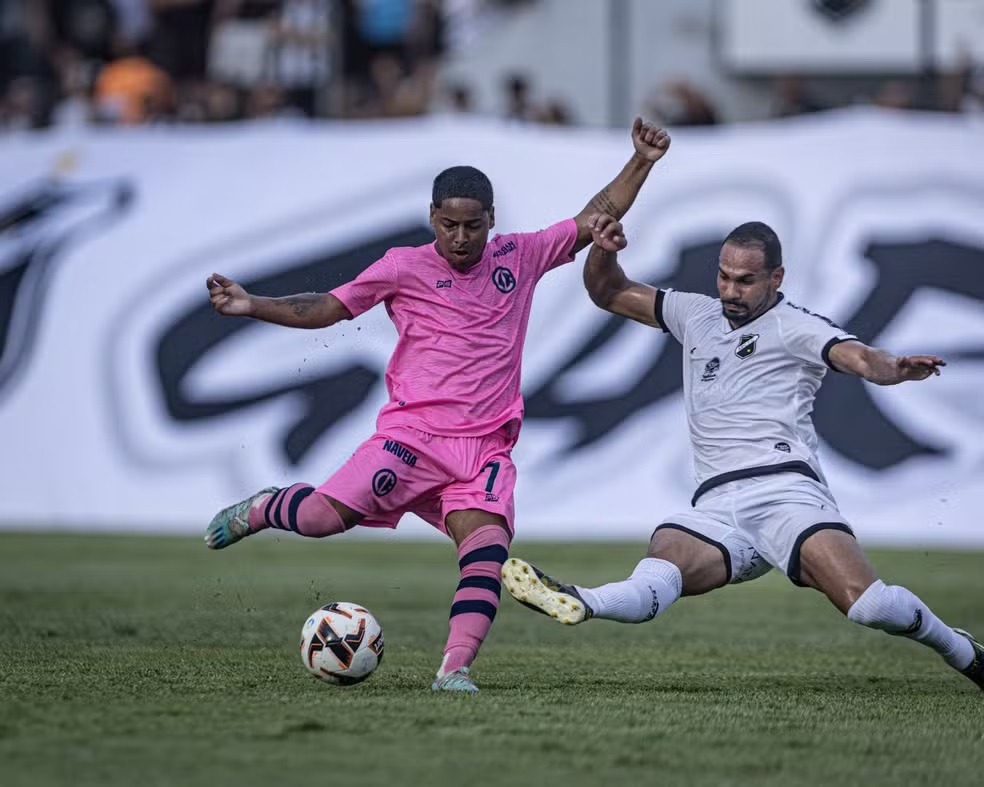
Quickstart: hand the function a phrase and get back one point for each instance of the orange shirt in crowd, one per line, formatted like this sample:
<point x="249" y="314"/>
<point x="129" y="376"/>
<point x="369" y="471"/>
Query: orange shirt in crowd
<point x="132" y="90"/>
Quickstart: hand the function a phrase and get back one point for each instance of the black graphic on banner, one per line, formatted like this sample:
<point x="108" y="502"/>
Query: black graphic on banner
<point x="327" y="399"/>
<point x="846" y="416"/>
<point x="36" y="228"/>
<point x="839" y="9"/>
<point x="596" y="417"/>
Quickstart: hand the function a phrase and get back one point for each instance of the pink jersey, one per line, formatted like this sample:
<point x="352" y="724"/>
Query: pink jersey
<point x="456" y="367"/>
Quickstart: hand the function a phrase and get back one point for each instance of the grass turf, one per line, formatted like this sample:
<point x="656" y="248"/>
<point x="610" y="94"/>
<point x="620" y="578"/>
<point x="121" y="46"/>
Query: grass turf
<point x="152" y="661"/>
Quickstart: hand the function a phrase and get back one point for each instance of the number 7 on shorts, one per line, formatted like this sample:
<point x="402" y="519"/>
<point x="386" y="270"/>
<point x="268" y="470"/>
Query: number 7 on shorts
<point x="494" y="466"/>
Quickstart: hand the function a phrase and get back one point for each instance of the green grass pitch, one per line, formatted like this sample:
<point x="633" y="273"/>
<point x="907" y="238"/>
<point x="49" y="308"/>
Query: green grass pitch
<point x="152" y="661"/>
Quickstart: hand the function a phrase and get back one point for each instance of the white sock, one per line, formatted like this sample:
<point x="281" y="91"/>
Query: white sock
<point x="896" y="610"/>
<point x="651" y="588"/>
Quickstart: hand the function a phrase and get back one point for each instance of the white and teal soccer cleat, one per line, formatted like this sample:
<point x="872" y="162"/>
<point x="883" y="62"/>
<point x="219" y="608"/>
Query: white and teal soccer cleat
<point x="231" y="524"/>
<point x="456" y="680"/>
<point x="976" y="669"/>
<point x="541" y="593"/>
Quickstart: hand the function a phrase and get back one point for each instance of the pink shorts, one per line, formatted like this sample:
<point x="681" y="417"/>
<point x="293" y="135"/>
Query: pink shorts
<point x="403" y="470"/>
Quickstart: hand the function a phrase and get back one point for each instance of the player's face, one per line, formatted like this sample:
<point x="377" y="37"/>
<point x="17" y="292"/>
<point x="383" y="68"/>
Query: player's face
<point x="747" y="288"/>
<point x="462" y="230"/>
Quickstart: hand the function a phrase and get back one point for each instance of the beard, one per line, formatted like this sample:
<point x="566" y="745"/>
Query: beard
<point x="738" y="314"/>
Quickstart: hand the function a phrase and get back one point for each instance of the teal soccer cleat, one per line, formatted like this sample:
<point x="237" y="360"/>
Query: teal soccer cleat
<point x="457" y="680"/>
<point x="231" y="524"/>
<point x="541" y="593"/>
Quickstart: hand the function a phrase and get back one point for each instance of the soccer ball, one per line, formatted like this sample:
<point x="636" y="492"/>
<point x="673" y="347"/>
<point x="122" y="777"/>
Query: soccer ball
<point x="341" y="643"/>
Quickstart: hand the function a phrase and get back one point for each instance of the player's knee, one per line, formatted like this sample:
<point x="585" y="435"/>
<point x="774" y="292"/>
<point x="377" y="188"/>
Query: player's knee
<point x="350" y="517"/>
<point x="463" y="524"/>
<point x="853" y="590"/>
<point x="701" y="565"/>
<point x="667" y="545"/>
<point x="888" y="608"/>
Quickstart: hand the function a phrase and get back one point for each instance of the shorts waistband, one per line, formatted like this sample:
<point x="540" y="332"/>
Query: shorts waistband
<point x="796" y="466"/>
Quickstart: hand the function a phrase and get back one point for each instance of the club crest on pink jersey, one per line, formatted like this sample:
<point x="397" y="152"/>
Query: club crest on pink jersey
<point x="503" y="280"/>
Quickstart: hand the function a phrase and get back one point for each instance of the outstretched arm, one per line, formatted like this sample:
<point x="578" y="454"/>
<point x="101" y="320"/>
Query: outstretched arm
<point x="651" y="144"/>
<point x="610" y="289"/>
<point x="306" y="310"/>
<point x="881" y="367"/>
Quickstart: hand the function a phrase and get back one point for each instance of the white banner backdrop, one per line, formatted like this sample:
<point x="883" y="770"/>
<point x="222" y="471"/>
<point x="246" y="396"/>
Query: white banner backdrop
<point x="125" y="403"/>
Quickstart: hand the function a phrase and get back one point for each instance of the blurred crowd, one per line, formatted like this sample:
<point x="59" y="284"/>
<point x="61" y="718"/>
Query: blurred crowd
<point x="74" y="62"/>
<point x="681" y="103"/>
<point x="70" y="63"/>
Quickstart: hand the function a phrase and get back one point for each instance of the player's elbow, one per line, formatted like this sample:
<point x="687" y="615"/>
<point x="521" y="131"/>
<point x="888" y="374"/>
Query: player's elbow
<point x="601" y="296"/>
<point x="335" y="312"/>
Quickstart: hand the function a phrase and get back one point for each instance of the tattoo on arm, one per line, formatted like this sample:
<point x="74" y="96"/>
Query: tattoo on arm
<point x="604" y="203"/>
<point x="302" y="305"/>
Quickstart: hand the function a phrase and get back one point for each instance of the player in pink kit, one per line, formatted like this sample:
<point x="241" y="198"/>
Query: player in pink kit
<point x="443" y="441"/>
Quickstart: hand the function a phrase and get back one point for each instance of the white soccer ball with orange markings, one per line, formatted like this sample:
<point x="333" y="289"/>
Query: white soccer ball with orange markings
<point x="341" y="643"/>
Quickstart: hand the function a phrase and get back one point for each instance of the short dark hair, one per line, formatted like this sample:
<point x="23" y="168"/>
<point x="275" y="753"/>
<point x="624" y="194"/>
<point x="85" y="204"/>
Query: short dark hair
<point x="758" y="235"/>
<point x="462" y="182"/>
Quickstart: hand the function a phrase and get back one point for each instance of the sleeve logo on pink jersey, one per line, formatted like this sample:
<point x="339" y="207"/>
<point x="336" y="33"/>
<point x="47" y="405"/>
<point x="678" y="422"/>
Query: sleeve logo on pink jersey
<point x="503" y="280"/>
<point x="507" y="248"/>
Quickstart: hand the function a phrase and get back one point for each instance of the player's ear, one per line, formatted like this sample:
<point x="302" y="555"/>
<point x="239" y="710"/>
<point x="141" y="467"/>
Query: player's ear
<point x="777" y="276"/>
<point x="491" y="216"/>
<point x="433" y="215"/>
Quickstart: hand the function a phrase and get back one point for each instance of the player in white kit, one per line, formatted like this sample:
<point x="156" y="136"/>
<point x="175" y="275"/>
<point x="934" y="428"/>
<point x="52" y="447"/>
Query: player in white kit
<point x="753" y="363"/>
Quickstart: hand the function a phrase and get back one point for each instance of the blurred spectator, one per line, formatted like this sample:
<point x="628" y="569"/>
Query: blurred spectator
<point x="74" y="109"/>
<point x="792" y="97"/>
<point x="351" y="85"/>
<point x="71" y="62"/>
<point x="222" y="103"/>
<point x="399" y="92"/>
<point x="181" y="34"/>
<point x="384" y="26"/>
<point x="388" y="57"/>
<point x="134" y="21"/>
<point x="302" y="57"/>
<point x="240" y="46"/>
<point x="239" y="51"/>
<point x="972" y="97"/>
<point x="962" y="89"/>
<point x="555" y="113"/>
<point x="216" y="60"/>
<point x="24" y="106"/>
<point x="465" y="22"/>
<point x="25" y="33"/>
<point x="86" y="26"/>
<point x="895" y="94"/>
<point x="133" y="90"/>
<point x="209" y="102"/>
<point x="679" y="103"/>
<point x="265" y="101"/>
<point x="384" y="29"/>
<point x="426" y="36"/>
<point x="458" y="99"/>
<point x="519" y="107"/>
<point x="245" y="9"/>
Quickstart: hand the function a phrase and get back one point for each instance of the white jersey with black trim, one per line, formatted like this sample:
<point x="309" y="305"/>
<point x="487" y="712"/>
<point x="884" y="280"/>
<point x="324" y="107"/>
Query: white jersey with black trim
<point x="750" y="390"/>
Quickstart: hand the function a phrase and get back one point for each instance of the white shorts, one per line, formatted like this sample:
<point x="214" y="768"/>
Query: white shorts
<point x="761" y="522"/>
